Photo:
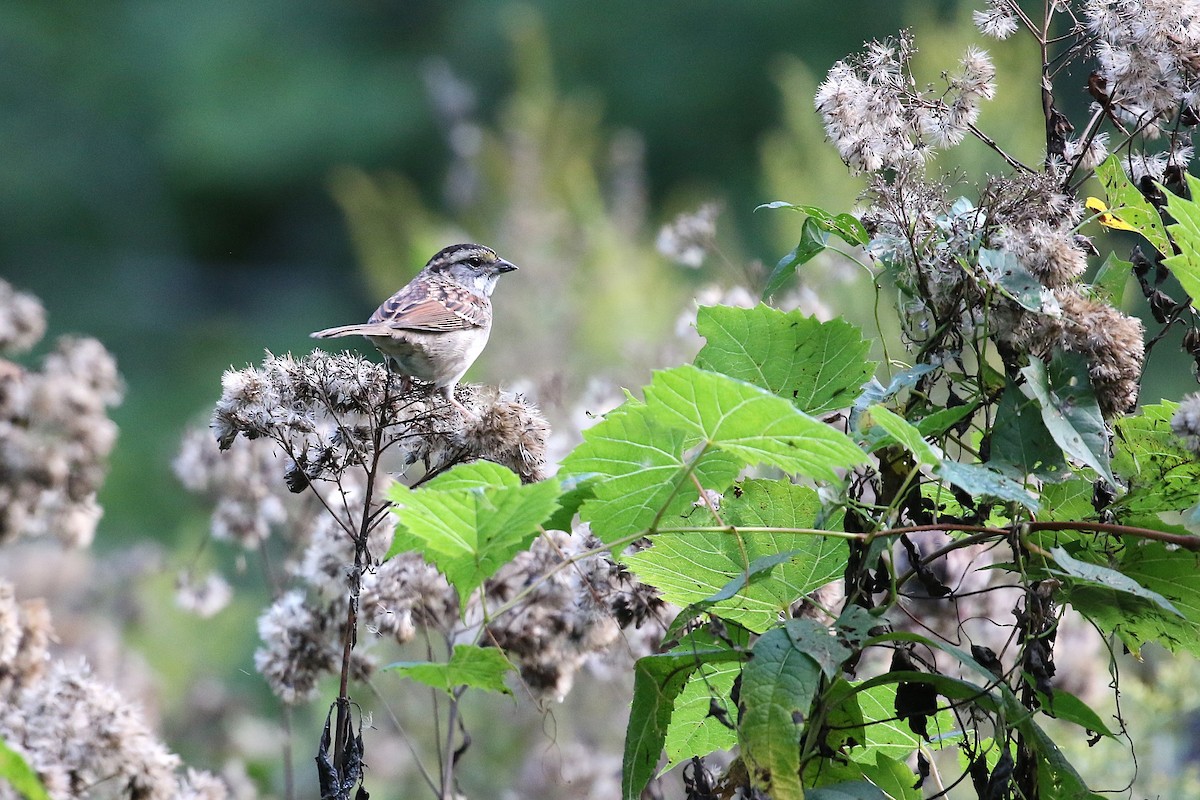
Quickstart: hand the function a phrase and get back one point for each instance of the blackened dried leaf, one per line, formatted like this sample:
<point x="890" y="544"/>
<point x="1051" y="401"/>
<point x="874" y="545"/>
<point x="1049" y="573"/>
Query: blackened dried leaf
<point x="979" y="774"/>
<point x="295" y="478"/>
<point x="916" y="701"/>
<point x="922" y="770"/>
<point x="987" y="658"/>
<point x="997" y="786"/>
<point x="925" y="574"/>
<point x="335" y="786"/>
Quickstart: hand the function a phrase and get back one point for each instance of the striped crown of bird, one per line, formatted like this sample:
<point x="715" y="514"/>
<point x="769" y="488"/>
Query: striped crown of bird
<point x="435" y="327"/>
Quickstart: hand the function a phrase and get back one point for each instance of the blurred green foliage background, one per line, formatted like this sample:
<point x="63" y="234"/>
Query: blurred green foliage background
<point x="194" y="182"/>
<point x="171" y="172"/>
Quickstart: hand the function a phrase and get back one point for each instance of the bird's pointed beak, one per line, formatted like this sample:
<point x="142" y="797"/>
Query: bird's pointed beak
<point x="501" y="266"/>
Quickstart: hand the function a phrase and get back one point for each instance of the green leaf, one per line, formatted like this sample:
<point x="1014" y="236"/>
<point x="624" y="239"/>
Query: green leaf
<point x="1021" y="445"/>
<point x="1185" y="265"/>
<point x="980" y="481"/>
<point x="657" y="682"/>
<point x="695" y="567"/>
<point x="470" y="520"/>
<point x="20" y="776"/>
<point x="749" y="423"/>
<point x="1162" y="475"/>
<point x="820" y="366"/>
<point x="1127" y="204"/>
<point x="778" y="687"/>
<point x="1057" y="778"/>
<point x="469" y="665"/>
<point x="813" y="240"/>
<point x="904" y="432"/>
<point x="1109" y="579"/>
<point x="1174" y="574"/>
<point x="875" y="392"/>
<point x="869" y="718"/>
<point x="693" y="730"/>
<point x="698" y="424"/>
<point x="1066" y="706"/>
<point x="644" y="472"/>
<point x="977" y="479"/>
<point x="1004" y="271"/>
<point x="846" y="226"/>
<point x="892" y="776"/>
<point x="1111" y="278"/>
<point x="938" y="422"/>
<point x="1069" y="409"/>
<point x="576" y="489"/>
<point x="850" y="790"/>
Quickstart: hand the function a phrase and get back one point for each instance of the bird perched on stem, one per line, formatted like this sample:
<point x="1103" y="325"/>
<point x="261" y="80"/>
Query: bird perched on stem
<point x="435" y="327"/>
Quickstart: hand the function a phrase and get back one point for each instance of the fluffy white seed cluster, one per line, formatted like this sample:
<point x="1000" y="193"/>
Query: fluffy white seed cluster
<point x="299" y="646"/>
<point x="933" y="247"/>
<point x="689" y="237"/>
<point x="999" y="20"/>
<point x="1186" y="422"/>
<point x="80" y="736"/>
<point x="572" y="614"/>
<point x="55" y="433"/>
<point x="312" y="425"/>
<point x="22" y="320"/>
<point x="324" y="412"/>
<point x="877" y="117"/>
<point x="243" y="483"/>
<point x="204" y="595"/>
<point x="1148" y="53"/>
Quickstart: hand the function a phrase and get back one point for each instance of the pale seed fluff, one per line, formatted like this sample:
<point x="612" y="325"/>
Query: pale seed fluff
<point x="998" y="22"/>
<point x="1146" y="51"/>
<point x="22" y="320"/>
<point x="1089" y="154"/>
<point x="1186" y="422"/>
<point x="202" y="596"/>
<point x="295" y="652"/>
<point x="687" y="239"/>
<point x="877" y="118"/>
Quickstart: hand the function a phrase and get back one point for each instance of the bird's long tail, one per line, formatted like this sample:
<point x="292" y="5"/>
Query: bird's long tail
<point x="368" y="329"/>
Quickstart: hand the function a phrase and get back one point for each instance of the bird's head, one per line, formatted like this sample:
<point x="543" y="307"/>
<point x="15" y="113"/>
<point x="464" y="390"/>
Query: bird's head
<point x="471" y="264"/>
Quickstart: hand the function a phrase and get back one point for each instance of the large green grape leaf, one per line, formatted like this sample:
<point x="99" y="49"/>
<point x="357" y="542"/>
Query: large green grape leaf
<point x="778" y="686"/>
<point x="657" y="683"/>
<point x="469" y="665"/>
<point x="1185" y="264"/>
<point x="694" y="731"/>
<point x="1162" y="475"/>
<point x="749" y="423"/>
<point x="821" y="366"/>
<point x="868" y="718"/>
<point x="697" y="424"/>
<point x="1107" y="578"/>
<point x="690" y="567"/>
<point x="641" y="472"/>
<point x="470" y="520"/>
<point x="1164" y="607"/>
<point x="1130" y="206"/>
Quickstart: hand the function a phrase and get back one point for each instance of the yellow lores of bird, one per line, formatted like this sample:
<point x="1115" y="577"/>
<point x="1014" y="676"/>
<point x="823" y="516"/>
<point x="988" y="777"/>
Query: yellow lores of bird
<point x="435" y="327"/>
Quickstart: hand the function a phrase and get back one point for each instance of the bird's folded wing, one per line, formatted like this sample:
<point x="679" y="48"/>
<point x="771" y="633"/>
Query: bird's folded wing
<point x="433" y="306"/>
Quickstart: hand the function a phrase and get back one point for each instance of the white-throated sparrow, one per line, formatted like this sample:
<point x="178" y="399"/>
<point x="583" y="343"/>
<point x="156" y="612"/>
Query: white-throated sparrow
<point x="435" y="327"/>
